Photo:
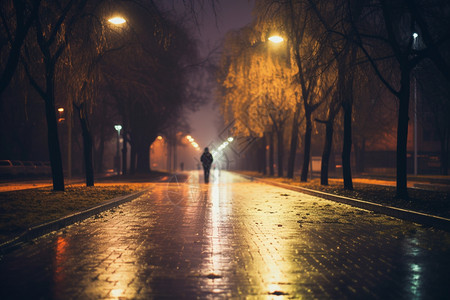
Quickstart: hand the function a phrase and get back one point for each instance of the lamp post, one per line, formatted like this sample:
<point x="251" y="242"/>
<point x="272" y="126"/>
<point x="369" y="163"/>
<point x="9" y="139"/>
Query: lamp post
<point x="67" y="119"/>
<point x="415" y="36"/>
<point x="118" y="128"/>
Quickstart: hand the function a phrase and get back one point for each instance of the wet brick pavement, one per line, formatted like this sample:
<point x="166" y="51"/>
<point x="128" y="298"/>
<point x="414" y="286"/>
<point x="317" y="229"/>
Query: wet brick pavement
<point x="231" y="239"/>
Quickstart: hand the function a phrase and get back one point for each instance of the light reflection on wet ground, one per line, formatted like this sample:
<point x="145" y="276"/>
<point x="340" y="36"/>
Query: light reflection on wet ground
<point x="231" y="239"/>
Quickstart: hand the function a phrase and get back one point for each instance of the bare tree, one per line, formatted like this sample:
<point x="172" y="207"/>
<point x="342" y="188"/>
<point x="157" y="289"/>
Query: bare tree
<point x="293" y="18"/>
<point x="386" y="32"/>
<point x="51" y="29"/>
<point x="16" y="19"/>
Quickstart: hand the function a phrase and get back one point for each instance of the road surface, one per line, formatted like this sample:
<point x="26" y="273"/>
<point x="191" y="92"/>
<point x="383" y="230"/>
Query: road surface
<point x="232" y="238"/>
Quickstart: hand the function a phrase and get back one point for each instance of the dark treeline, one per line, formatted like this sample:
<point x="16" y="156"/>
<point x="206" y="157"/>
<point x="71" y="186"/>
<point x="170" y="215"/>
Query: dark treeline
<point x="66" y="54"/>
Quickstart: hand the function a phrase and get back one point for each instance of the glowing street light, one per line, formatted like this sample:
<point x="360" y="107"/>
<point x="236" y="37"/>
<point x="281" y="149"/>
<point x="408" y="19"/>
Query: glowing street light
<point x="276" y="39"/>
<point x="61" y="118"/>
<point x="193" y="143"/>
<point x="223" y="145"/>
<point x="117" y="20"/>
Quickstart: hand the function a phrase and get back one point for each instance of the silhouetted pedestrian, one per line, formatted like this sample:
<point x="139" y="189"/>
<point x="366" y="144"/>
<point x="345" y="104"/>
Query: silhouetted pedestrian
<point x="206" y="160"/>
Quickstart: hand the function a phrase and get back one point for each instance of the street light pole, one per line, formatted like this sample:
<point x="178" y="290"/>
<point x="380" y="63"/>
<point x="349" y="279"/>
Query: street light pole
<point x="415" y="36"/>
<point x="118" y="128"/>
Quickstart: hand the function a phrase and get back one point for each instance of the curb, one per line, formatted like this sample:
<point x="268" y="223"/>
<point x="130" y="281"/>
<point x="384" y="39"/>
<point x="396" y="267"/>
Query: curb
<point x="404" y="214"/>
<point x="39" y="230"/>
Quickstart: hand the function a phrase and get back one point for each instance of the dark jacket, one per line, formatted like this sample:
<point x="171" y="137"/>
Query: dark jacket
<point x="206" y="159"/>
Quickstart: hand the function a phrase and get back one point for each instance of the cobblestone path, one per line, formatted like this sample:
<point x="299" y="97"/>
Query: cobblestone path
<point x="231" y="239"/>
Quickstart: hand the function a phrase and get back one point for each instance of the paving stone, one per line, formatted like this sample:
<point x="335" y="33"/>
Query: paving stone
<point x="231" y="239"/>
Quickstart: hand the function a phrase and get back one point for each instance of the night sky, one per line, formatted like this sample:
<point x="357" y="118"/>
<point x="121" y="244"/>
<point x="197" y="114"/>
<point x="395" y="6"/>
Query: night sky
<point x="231" y="14"/>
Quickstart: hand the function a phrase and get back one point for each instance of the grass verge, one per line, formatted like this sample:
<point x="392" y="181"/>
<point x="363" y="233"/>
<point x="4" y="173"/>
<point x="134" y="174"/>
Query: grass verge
<point x="429" y="202"/>
<point x="22" y="209"/>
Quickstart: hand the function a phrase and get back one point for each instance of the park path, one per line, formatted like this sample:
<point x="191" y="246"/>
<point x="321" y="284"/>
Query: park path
<point x="231" y="239"/>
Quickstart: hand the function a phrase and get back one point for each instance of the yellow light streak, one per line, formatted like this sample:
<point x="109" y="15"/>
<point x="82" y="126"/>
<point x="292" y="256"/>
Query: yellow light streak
<point x="276" y="39"/>
<point x="117" y="20"/>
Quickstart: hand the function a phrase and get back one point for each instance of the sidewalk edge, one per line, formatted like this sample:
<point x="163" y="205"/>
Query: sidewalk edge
<point x="404" y="214"/>
<point x="42" y="229"/>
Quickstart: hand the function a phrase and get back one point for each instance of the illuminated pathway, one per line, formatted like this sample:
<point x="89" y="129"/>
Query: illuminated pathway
<point x="231" y="239"/>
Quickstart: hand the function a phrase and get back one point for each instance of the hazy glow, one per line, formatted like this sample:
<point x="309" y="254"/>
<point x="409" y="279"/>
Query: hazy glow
<point x="225" y="144"/>
<point x="415" y="35"/>
<point x="116" y="293"/>
<point x="117" y="20"/>
<point x="276" y="39"/>
<point x="192" y="141"/>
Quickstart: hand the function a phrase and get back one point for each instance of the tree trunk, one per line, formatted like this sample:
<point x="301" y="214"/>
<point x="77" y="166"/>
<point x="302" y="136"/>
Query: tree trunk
<point x="345" y="92"/>
<point x="402" y="136"/>
<point x="271" y="155"/>
<point x="143" y="158"/>
<point x="169" y="154"/>
<point x="347" y="146"/>
<point x="326" y="153"/>
<point x="280" y="150"/>
<point x="263" y="155"/>
<point x="294" y="143"/>
<point x="307" y="149"/>
<point x="260" y="154"/>
<point x="87" y="148"/>
<point x="133" y="155"/>
<point x="53" y="145"/>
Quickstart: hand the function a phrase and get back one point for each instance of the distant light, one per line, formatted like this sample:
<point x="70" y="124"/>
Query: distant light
<point x="415" y="35"/>
<point x="276" y="39"/>
<point x="117" y="20"/>
<point x="159" y="137"/>
<point x="61" y="109"/>
<point x="230" y="139"/>
<point x="189" y="137"/>
<point x="118" y="127"/>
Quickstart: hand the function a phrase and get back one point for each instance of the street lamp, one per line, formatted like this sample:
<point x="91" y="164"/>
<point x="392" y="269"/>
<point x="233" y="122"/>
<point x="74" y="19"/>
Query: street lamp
<point x="415" y="36"/>
<point x="61" y="111"/>
<point x="118" y="128"/>
<point x="276" y="39"/>
<point x="117" y="20"/>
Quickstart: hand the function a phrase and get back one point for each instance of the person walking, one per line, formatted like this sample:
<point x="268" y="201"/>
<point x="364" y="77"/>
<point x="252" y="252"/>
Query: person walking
<point x="206" y="160"/>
